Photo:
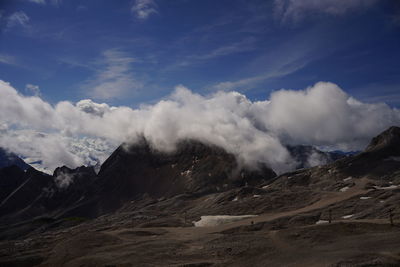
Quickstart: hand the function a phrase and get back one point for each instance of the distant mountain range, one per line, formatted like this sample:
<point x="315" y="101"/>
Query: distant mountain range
<point x="130" y="172"/>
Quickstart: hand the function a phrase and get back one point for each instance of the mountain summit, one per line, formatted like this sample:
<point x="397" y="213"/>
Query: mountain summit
<point x="9" y="159"/>
<point x="386" y="143"/>
<point x="194" y="167"/>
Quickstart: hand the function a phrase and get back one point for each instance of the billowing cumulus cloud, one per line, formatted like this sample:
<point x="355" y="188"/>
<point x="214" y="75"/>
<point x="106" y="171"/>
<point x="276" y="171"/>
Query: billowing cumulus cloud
<point x="90" y="107"/>
<point x="322" y="115"/>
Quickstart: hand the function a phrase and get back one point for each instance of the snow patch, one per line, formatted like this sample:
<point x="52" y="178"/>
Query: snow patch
<point x="207" y="221"/>
<point x="364" y="198"/>
<point x="344" y="189"/>
<point x="386" y="187"/>
<point x="235" y="199"/>
<point x="321" y="222"/>
<point x="347" y="179"/>
<point x="347" y="216"/>
<point x="392" y="159"/>
<point x="257" y="196"/>
<point x="265" y="187"/>
<point x="186" y="173"/>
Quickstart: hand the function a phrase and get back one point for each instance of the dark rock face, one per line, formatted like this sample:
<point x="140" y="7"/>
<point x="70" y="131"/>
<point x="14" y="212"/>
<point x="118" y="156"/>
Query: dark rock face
<point x="8" y="159"/>
<point x="10" y="178"/>
<point x="76" y="178"/>
<point x="194" y="167"/>
<point x="29" y="190"/>
<point x="33" y="193"/>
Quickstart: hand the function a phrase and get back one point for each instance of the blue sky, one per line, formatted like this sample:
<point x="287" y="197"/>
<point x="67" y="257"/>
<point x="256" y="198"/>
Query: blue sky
<point x="79" y="77"/>
<point x="133" y="52"/>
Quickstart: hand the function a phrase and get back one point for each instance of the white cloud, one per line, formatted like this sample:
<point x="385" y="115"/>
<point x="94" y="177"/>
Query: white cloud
<point x="47" y="151"/>
<point x="18" y="18"/>
<point x="293" y="11"/>
<point x="114" y="76"/>
<point x="33" y="89"/>
<point x="144" y="8"/>
<point x="88" y="106"/>
<point x="322" y="115"/>
<point x="64" y="179"/>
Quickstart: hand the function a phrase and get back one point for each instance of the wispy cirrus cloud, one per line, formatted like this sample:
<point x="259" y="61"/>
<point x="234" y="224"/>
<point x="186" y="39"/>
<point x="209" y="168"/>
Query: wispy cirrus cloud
<point x="7" y="59"/>
<point x="250" y="82"/>
<point x="229" y="48"/>
<point x="56" y="3"/>
<point x="294" y="11"/>
<point x="41" y="2"/>
<point x="247" y="44"/>
<point x="113" y="77"/>
<point x="142" y="9"/>
<point x="33" y="89"/>
<point x="17" y="19"/>
<point x="289" y="58"/>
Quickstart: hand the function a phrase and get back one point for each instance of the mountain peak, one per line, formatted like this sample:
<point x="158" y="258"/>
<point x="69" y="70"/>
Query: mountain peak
<point x="388" y="142"/>
<point x="8" y="158"/>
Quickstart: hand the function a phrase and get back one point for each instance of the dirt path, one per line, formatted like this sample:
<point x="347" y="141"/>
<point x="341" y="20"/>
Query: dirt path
<point x="186" y="233"/>
<point x="193" y="233"/>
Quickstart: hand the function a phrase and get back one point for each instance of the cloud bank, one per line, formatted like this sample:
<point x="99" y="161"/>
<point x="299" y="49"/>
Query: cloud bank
<point x="77" y="133"/>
